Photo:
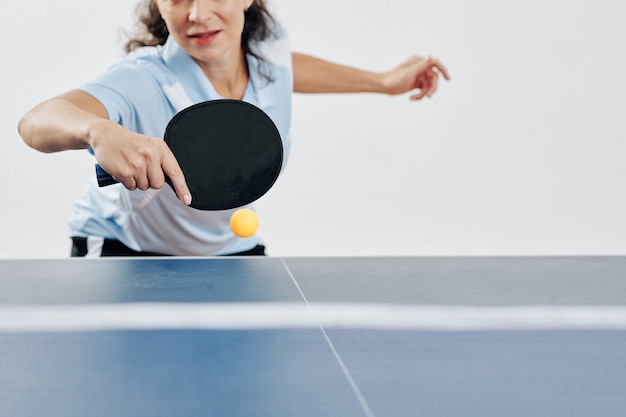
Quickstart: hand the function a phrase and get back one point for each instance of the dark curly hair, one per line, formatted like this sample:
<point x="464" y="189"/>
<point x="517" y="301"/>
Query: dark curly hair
<point x="153" y="31"/>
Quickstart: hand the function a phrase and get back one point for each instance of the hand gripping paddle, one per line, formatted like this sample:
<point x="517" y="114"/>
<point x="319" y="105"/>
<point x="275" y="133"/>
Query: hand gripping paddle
<point x="230" y="152"/>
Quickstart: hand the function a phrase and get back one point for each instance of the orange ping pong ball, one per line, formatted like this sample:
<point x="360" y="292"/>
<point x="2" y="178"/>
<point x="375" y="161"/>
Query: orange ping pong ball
<point x="244" y="222"/>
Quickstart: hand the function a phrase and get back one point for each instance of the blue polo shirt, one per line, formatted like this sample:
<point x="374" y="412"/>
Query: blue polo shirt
<point x="142" y="93"/>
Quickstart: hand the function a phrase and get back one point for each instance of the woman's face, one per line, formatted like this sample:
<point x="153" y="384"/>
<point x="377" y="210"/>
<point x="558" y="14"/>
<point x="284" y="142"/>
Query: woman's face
<point x="208" y="30"/>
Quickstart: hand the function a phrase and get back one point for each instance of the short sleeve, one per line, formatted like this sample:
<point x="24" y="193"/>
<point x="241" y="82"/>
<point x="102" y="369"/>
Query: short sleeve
<point x="127" y="92"/>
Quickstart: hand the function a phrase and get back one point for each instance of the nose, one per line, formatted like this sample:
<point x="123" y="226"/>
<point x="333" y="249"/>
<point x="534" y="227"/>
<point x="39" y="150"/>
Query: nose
<point x="201" y="10"/>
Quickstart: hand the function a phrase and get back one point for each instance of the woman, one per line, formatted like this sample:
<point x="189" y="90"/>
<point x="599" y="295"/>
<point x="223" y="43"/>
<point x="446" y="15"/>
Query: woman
<point x="193" y="51"/>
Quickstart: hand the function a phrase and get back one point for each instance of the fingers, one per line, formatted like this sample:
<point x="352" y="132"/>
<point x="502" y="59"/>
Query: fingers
<point x="140" y="178"/>
<point x="177" y="178"/>
<point x="427" y="84"/>
<point x="428" y="79"/>
<point x="142" y="163"/>
<point x="432" y="81"/>
<point x="155" y="178"/>
<point x="419" y="95"/>
<point x="435" y="63"/>
<point x="140" y="168"/>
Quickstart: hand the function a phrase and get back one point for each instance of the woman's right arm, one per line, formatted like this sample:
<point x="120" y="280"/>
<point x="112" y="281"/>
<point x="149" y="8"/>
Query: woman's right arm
<point x="77" y="120"/>
<point x="64" y="122"/>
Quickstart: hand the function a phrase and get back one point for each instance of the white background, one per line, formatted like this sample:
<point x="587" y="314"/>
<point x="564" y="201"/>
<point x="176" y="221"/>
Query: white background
<point x="521" y="153"/>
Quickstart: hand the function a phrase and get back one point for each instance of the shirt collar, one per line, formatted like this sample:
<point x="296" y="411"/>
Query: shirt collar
<point x="199" y="87"/>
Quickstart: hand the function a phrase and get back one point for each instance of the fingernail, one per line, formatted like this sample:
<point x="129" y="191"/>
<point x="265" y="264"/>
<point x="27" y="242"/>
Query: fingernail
<point x="187" y="199"/>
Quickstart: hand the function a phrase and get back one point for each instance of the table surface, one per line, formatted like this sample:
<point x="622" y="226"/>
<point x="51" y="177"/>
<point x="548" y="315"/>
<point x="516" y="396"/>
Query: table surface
<point x="427" y="355"/>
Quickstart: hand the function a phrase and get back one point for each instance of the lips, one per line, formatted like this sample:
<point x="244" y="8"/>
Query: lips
<point x="204" y="38"/>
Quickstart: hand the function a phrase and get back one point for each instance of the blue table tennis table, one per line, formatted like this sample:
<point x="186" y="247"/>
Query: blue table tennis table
<point x="277" y="337"/>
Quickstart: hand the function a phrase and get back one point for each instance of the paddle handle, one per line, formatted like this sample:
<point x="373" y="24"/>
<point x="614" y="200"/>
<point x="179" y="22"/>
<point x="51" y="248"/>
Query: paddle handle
<point x="104" y="178"/>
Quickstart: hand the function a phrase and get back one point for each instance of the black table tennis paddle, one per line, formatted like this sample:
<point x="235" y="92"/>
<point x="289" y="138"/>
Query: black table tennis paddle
<point x="230" y="152"/>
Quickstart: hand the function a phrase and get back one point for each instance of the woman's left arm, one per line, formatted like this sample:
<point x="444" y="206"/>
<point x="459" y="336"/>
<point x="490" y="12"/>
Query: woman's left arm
<point x="417" y="74"/>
